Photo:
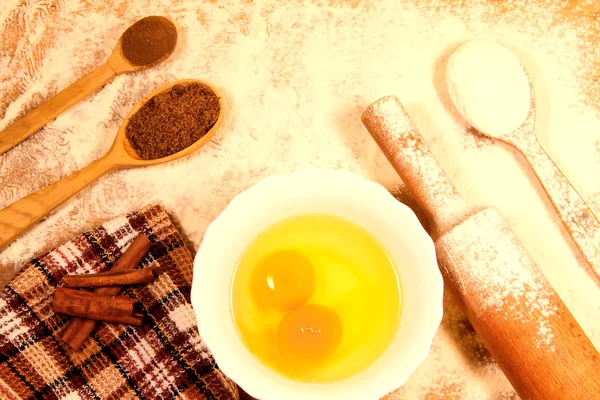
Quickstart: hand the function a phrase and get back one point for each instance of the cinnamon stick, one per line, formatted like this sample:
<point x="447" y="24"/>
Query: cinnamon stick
<point x="113" y="278"/>
<point x="79" y="329"/>
<point x="101" y="307"/>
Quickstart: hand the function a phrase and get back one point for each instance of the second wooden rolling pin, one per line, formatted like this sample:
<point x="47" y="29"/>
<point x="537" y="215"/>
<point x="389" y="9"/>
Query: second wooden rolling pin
<point x="524" y="324"/>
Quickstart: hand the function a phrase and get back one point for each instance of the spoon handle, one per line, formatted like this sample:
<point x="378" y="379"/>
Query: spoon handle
<point x="22" y="214"/>
<point x="48" y="111"/>
<point x="513" y="308"/>
<point x="577" y="217"/>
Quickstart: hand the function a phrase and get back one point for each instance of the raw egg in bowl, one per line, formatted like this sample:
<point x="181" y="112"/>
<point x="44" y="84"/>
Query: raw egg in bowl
<point x="317" y="285"/>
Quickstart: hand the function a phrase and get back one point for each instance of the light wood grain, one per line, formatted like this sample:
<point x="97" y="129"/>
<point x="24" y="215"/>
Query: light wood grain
<point x="48" y="111"/>
<point x="577" y="217"/>
<point x="18" y="216"/>
<point x="539" y="346"/>
<point x="559" y="362"/>
<point x="22" y="214"/>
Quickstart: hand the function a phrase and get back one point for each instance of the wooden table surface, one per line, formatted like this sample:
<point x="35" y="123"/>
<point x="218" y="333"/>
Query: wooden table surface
<point x="296" y="78"/>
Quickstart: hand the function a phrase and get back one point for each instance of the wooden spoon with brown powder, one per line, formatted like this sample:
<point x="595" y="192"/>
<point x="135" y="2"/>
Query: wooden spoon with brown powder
<point x="126" y="152"/>
<point x="143" y="45"/>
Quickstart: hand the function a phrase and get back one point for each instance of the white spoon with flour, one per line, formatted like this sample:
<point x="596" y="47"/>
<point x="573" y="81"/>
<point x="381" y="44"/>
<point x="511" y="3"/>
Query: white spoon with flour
<point x="491" y="89"/>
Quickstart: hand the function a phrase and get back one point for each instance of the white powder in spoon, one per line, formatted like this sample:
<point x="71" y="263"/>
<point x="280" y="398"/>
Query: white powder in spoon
<point x="488" y="86"/>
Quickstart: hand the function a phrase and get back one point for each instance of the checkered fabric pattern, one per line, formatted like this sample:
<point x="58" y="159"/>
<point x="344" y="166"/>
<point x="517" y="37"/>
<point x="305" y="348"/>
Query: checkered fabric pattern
<point x="162" y="359"/>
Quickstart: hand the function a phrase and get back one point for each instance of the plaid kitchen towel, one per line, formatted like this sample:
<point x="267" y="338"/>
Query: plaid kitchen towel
<point x="162" y="359"/>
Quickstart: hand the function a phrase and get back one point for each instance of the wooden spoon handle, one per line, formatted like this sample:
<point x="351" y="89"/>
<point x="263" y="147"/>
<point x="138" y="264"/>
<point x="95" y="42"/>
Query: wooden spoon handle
<point x="48" y="111"/>
<point x="522" y="321"/>
<point x="22" y="214"/>
<point x="574" y="213"/>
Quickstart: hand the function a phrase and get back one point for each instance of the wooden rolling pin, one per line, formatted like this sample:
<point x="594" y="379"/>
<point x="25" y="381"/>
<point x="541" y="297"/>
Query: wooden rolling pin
<point x="524" y="324"/>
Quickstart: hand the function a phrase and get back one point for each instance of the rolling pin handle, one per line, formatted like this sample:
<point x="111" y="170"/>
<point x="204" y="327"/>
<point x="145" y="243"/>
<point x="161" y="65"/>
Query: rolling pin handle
<point x="391" y="127"/>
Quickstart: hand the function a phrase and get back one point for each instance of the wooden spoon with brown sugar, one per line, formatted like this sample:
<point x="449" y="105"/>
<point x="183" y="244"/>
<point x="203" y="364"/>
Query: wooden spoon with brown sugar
<point x="22" y="214"/>
<point x="143" y="45"/>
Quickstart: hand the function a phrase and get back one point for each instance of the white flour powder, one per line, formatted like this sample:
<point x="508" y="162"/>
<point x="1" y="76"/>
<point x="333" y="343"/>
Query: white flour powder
<point x="488" y="87"/>
<point x="296" y="76"/>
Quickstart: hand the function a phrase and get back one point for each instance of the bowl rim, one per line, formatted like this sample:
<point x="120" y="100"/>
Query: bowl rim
<point x="257" y="385"/>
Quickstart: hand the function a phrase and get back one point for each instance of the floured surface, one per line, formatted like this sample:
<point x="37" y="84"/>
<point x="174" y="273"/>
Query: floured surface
<point x="510" y="286"/>
<point x="391" y="127"/>
<point x="296" y="79"/>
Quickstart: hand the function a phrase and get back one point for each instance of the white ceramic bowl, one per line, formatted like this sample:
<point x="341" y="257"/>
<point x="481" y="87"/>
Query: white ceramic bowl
<point x="338" y="193"/>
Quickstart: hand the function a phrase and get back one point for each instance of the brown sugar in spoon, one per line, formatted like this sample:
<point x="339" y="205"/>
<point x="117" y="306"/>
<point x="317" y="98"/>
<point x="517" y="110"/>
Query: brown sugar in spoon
<point x="464" y="78"/>
<point x="143" y="45"/>
<point x="22" y="214"/>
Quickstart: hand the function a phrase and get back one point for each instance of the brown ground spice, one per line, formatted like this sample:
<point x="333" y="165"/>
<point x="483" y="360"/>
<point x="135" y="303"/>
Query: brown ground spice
<point x="149" y="40"/>
<point x="171" y="121"/>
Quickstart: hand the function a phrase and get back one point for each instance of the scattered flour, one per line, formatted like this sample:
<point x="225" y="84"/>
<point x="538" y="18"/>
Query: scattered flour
<point x="481" y="254"/>
<point x="296" y="78"/>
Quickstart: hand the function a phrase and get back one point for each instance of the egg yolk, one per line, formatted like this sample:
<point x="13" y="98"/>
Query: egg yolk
<point x="283" y="280"/>
<point x="309" y="333"/>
